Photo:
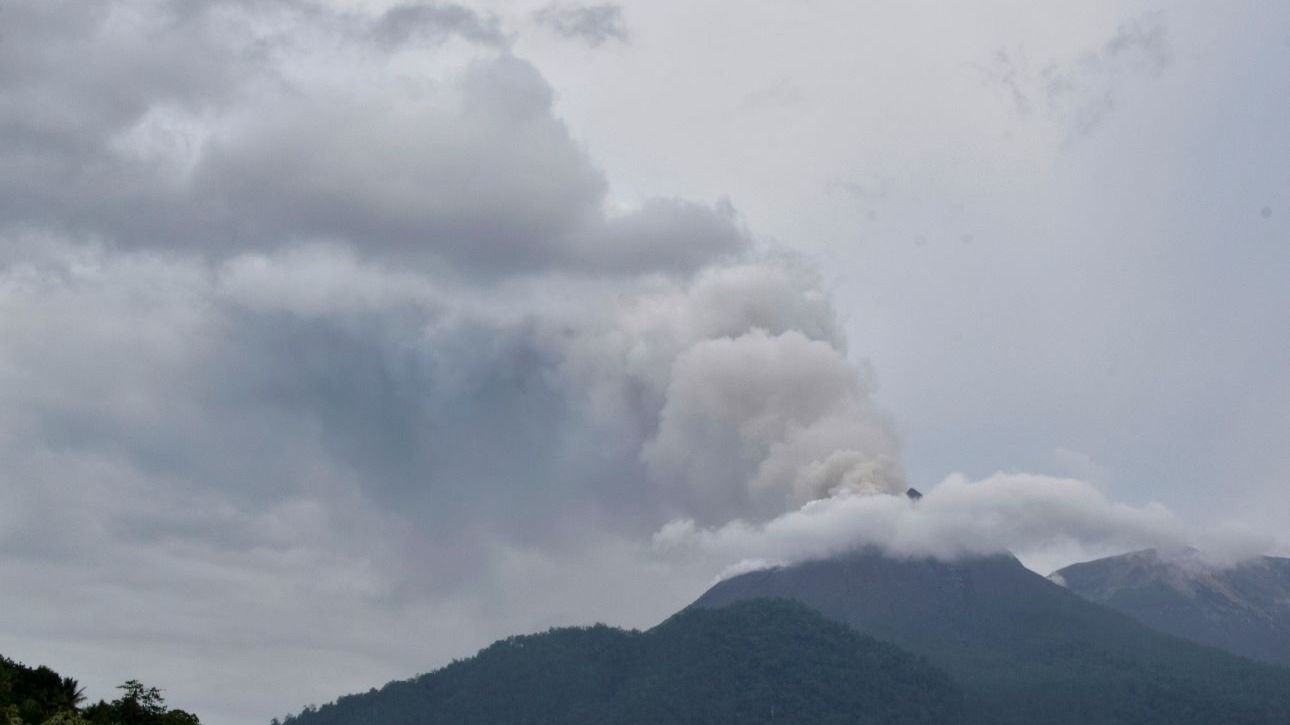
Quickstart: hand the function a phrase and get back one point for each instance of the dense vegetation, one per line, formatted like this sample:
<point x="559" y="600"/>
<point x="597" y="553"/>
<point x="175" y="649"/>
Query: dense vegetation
<point x="40" y="696"/>
<point x="1023" y="649"/>
<point x="756" y="662"/>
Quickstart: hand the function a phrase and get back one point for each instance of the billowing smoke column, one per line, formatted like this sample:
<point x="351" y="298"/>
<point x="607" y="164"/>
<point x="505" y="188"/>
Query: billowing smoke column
<point x="751" y="407"/>
<point x="366" y="256"/>
<point x="768" y="421"/>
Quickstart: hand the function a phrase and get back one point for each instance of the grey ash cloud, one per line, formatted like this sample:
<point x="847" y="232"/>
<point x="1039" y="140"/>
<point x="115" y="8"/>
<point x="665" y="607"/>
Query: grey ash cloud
<point x="594" y="25"/>
<point x="348" y="330"/>
<point x="245" y="138"/>
<point x="1078" y="94"/>
<point x="434" y="23"/>
<point x="473" y="171"/>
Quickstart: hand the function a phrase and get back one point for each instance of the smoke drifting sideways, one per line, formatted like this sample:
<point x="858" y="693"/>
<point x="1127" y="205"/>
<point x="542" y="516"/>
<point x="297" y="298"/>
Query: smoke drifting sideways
<point x="323" y="255"/>
<point x="1046" y="521"/>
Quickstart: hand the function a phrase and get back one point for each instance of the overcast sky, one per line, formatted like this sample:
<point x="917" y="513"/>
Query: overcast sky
<point x="338" y="339"/>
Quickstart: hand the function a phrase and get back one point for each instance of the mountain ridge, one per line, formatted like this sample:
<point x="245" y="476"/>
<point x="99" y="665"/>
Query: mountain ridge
<point x="1242" y="608"/>
<point x="856" y="638"/>
<point x="1025" y="648"/>
<point x="764" y="661"/>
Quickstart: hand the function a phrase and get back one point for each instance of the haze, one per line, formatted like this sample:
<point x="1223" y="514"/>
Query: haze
<point x="338" y="339"/>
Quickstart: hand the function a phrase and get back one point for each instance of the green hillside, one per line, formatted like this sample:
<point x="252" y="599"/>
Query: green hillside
<point x="757" y="662"/>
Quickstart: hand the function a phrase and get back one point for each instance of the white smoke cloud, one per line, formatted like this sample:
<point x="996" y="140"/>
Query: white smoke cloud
<point x="1044" y="520"/>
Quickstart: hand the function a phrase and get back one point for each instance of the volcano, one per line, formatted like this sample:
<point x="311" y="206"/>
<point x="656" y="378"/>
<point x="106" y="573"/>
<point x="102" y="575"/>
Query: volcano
<point x="1025" y="649"/>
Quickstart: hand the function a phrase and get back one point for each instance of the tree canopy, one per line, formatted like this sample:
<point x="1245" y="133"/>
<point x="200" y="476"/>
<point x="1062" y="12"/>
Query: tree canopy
<point x="40" y="696"/>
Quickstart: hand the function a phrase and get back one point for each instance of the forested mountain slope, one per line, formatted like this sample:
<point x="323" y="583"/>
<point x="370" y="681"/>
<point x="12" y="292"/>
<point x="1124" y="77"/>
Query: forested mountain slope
<point x="756" y="662"/>
<point x="1024" y="649"/>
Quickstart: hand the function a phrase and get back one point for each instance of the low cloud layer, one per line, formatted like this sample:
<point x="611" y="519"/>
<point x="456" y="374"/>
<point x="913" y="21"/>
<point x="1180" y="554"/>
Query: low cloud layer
<point x="1042" y="519"/>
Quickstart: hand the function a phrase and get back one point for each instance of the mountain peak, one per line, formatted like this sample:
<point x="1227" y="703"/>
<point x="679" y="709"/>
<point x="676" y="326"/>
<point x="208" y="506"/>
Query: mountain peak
<point x="1029" y="650"/>
<point x="1243" y="608"/>
<point x="1184" y="570"/>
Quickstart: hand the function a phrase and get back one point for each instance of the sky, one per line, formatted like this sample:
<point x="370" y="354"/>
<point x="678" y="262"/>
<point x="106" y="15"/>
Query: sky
<point x="339" y="339"/>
